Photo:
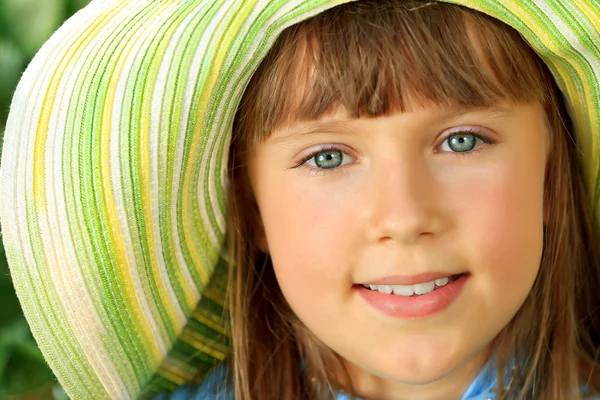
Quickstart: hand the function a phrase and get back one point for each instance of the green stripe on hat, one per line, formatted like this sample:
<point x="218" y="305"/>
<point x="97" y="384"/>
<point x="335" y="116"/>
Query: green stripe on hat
<point x="113" y="170"/>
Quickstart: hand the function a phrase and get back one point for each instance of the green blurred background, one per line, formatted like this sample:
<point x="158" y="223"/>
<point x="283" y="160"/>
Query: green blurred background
<point x="24" y="27"/>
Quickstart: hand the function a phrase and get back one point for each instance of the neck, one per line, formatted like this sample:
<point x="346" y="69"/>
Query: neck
<point x="452" y="386"/>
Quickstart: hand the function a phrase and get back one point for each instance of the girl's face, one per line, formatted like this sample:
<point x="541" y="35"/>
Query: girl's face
<point x="406" y="203"/>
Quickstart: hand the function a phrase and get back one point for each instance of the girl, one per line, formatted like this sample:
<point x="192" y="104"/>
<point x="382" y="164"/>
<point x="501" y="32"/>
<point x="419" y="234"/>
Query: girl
<point x="407" y="214"/>
<point x="416" y="167"/>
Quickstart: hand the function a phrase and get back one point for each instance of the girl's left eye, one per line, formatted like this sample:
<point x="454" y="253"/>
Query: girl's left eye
<point x="463" y="142"/>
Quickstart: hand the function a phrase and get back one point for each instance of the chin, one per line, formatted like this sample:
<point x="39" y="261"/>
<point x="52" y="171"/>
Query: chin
<point x="417" y="370"/>
<point x="424" y="376"/>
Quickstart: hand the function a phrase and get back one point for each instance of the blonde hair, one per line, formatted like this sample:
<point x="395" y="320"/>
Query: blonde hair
<point x="371" y="57"/>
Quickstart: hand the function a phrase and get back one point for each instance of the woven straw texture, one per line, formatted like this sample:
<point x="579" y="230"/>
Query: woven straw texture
<point x="112" y="182"/>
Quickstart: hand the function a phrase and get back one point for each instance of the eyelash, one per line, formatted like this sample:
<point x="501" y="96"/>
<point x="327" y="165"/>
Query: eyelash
<point x="469" y="131"/>
<point x="318" y="171"/>
<point x="476" y="133"/>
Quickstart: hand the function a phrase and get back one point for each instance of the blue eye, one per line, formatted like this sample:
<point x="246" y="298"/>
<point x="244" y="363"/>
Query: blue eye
<point x="328" y="159"/>
<point x="462" y="142"/>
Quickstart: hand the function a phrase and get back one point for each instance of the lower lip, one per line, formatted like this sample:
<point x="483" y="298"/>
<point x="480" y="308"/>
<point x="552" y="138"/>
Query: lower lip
<point x="416" y="307"/>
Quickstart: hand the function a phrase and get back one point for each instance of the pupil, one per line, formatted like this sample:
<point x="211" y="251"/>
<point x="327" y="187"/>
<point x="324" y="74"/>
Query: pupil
<point x="329" y="159"/>
<point x="462" y="142"/>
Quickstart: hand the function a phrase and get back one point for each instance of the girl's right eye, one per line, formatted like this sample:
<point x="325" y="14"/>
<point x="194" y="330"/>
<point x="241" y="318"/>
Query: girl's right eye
<point x="328" y="158"/>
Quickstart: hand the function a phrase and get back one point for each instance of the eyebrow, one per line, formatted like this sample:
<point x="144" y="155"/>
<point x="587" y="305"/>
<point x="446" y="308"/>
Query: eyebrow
<point x="307" y="128"/>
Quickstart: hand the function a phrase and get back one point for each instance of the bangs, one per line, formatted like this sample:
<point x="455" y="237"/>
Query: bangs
<point x="374" y="58"/>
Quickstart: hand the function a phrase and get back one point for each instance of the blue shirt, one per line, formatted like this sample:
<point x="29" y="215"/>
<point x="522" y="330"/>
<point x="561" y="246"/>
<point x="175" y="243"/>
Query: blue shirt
<point x="482" y="388"/>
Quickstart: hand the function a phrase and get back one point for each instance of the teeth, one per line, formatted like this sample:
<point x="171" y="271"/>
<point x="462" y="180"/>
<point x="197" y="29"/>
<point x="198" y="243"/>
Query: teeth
<point x="404" y="290"/>
<point x="441" y="282"/>
<point x="424" y="288"/>
<point x="384" y="289"/>
<point x="410" y="290"/>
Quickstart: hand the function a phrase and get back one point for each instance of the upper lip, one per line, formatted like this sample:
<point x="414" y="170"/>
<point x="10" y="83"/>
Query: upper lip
<point x="410" y="279"/>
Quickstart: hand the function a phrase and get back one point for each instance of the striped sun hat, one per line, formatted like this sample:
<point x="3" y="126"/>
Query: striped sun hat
<point x="113" y="172"/>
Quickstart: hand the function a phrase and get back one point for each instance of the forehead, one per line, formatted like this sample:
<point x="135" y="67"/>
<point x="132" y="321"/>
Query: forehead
<point x="389" y="59"/>
<point x="421" y="117"/>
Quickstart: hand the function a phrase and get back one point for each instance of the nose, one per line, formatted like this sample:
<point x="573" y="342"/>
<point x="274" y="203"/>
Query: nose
<point x="403" y="202"/>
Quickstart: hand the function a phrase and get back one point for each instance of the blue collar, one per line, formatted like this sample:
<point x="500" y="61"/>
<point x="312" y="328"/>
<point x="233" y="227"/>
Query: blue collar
<point x="483" y="386"/>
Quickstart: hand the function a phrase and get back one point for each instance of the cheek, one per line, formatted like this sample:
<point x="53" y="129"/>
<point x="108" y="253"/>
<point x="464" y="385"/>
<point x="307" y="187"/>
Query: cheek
<point x="312" y="238"/>
<point x="308" y="230"/>
<point x="505" y="227"/>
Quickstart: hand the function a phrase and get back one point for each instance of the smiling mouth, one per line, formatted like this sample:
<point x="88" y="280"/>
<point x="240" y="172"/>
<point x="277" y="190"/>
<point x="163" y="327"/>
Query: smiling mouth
<point x="415" y="290"/>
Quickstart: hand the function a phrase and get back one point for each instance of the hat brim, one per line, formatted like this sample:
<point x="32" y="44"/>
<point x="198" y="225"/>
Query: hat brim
<point x="112" y="180"/>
